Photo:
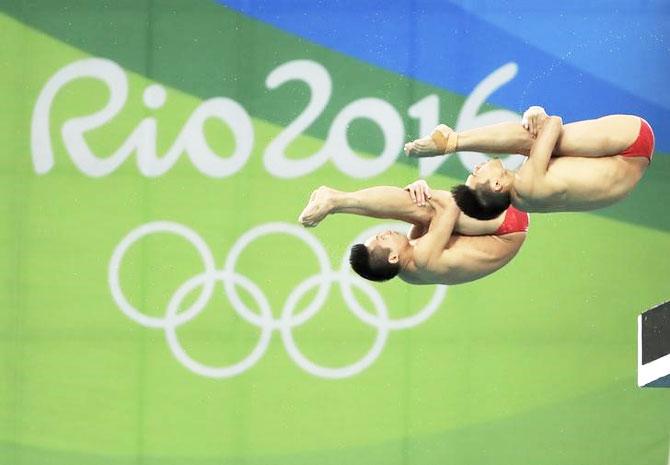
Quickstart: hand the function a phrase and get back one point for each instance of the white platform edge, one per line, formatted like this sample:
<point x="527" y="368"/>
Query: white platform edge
<point x="649" y="372"/>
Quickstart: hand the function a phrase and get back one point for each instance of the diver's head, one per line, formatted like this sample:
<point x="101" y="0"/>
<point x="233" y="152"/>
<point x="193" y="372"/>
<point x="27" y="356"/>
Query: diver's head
<point x="486" y="193"/>
<point x="380" y="257"/>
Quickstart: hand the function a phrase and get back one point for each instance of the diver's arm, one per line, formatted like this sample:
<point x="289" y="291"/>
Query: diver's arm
<point x="420" y="193"/>
<point x="430" y="247"/>
<point x="541" y="151"/>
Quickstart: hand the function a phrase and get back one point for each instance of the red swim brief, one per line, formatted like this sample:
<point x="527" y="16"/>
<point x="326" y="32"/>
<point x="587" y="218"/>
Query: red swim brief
<point x="515" y="221"/>
<point x="643" y="145"/>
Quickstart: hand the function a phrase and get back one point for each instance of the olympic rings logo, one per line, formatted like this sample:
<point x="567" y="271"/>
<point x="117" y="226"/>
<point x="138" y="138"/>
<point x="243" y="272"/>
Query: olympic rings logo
<point x="175" y="316"/>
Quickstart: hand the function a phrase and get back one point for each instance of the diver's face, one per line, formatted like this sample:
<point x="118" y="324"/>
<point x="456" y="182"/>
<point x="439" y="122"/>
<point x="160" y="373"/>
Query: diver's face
<point x="486" y="173"/>
<point x="392" y="240"/>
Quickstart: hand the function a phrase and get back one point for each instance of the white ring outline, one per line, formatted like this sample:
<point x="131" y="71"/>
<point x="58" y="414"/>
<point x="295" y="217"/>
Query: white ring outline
<point x="287" y="321"/>
<point x="348" y="370"/>
<point x="291" y="230"/>
<point x="152" y="228"/>
<point x="191" y="363"/>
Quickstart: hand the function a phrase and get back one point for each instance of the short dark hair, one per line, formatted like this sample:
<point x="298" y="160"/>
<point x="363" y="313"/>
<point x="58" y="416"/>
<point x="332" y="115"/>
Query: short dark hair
<point x="483" y="203"/>
<point x="373" y="265"/>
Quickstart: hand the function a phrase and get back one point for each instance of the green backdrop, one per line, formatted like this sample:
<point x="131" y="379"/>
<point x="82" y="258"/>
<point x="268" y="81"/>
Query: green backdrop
<point x="533" y="364"/>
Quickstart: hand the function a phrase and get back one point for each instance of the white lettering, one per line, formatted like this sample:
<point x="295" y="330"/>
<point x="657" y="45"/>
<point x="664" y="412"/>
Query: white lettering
<point x="427" y="111"/>
<point x="143" y="138"/>
<point x="469" y="119"/>
<point x="42" y="150"/>
<point x="320" y="86"/>
<point x="192" y="140"/>
<point x="388" y="120"/>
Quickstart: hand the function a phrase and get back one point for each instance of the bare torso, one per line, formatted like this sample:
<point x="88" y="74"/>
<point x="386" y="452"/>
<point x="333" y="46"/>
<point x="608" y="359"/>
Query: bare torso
<point x="579" y="184"/>
<point x="468" y="258"/>
<point x="465" y="258"/>
<point x="585" y="173"/>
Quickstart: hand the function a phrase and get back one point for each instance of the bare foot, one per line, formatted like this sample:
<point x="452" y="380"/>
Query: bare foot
<point x="432" y="145"/>
<point x="318" y="207"/>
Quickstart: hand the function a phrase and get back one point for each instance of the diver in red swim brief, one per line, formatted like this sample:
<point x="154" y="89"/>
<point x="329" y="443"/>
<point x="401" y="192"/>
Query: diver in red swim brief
<point x="436" y="249"/>
<point x="580" y="166"/>
<point x="643" y="145"/>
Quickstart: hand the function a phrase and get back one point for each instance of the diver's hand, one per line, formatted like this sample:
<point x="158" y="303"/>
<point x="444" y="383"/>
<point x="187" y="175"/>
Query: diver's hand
<point x="419" y="192"/>
<point x="533" y="119"/>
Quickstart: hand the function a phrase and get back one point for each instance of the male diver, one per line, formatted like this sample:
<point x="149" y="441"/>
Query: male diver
<point x="433" y="252"/>
<point x="579" y="166"/>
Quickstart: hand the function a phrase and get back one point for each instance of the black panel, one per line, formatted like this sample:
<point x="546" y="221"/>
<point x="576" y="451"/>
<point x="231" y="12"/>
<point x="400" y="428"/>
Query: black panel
<point x="656" y="333"/>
